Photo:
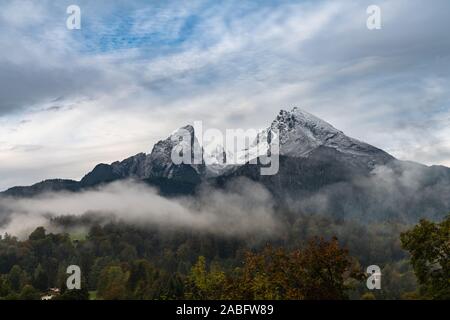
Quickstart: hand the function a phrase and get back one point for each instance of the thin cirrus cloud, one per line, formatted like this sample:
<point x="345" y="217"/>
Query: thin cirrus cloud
<point x="138" y="70"/>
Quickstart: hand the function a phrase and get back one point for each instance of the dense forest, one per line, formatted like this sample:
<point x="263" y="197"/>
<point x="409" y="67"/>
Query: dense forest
<point x="316" y="258"/>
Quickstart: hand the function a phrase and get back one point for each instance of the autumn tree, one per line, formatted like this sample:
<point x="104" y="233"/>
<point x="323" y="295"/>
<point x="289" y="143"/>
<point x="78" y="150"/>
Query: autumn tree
<point x="204" y="282"/>
<point x="429" y="246"/>
<point x="319" y="271"/>
<point x="112" y="284"/>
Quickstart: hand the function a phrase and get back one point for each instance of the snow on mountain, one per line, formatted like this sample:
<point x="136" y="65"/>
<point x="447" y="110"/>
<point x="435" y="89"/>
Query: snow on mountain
<point x="217" y="159"/>
<point x="160" y="161"/>
<point x="300" y="133"/>
<point x="315" y="157"/>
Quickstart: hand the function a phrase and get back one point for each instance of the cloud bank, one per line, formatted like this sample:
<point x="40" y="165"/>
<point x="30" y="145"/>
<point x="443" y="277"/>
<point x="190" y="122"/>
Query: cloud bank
<point x="243" y="208"/>
<point x="401" y="192"/>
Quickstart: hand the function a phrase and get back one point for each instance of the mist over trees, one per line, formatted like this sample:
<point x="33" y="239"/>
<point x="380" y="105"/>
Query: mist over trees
<point x="317" y="258"/>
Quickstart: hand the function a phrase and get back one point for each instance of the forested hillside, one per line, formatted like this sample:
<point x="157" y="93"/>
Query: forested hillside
<point x="317" y="259"/>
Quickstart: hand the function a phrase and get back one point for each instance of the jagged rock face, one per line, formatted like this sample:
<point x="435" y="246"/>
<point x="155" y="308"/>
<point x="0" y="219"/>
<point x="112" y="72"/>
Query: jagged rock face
<point x="217" y="161"/>
<point x="160" y="163"/>
<point x="156" y="166"/>
<point x="131" y="167"/>
<point x="301" y="136"/>
<point x="300" y="133"/>
<point x="323" y="166"/>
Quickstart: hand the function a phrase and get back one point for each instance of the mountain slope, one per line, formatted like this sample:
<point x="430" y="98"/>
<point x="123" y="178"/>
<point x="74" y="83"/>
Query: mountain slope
<point x="321" y="170"/>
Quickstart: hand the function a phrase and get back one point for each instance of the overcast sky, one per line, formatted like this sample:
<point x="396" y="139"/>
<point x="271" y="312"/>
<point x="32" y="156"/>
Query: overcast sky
<point x="137" y="70"/>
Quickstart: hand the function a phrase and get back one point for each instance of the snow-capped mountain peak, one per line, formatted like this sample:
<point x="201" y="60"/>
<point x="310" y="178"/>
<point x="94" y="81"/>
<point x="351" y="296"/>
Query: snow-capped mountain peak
<point x="160" y="161"/>
<point x="288" y="120"/>
<point x="300" y="133"/>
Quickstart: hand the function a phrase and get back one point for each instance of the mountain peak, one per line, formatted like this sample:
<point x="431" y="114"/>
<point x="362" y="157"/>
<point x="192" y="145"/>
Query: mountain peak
<point x="301" y="132"/>
<point x="189" y="128"/>
<point x="298" y="117"/>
